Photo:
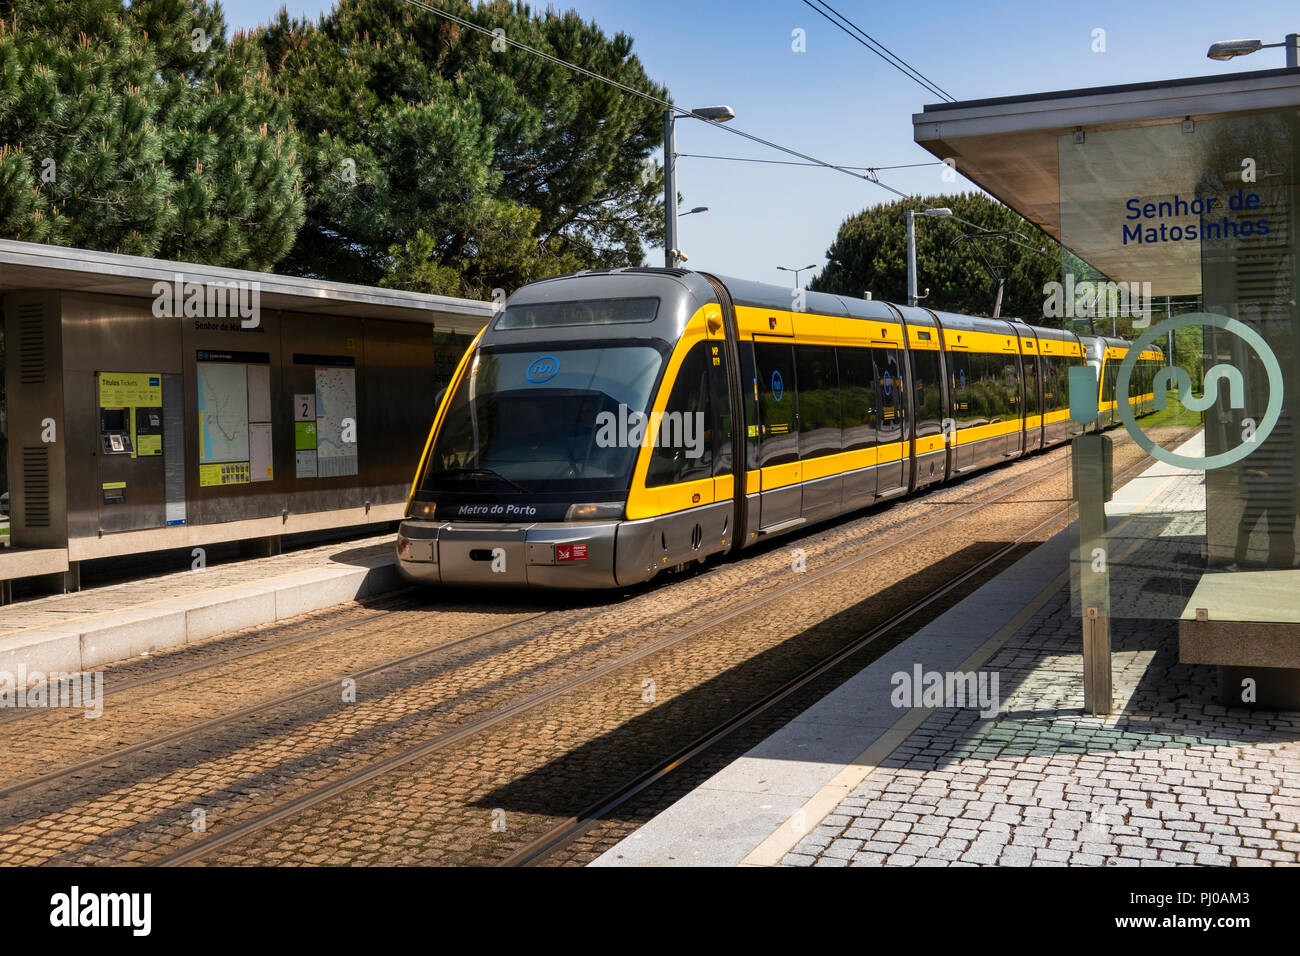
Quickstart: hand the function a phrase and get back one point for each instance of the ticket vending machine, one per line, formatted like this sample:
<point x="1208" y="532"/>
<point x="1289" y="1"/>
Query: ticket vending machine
<point x="130" y="451"/>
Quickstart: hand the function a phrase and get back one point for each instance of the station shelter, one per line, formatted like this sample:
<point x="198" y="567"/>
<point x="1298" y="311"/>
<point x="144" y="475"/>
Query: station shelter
<point x="151" y="405"/>
<point x="1186" y="189"/>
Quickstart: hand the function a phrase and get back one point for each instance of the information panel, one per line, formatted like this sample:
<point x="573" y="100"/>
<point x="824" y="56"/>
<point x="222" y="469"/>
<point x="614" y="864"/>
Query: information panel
<point x="137" y="400"/>
<point x="234" y="404"/>
<point x="325" y="421"/>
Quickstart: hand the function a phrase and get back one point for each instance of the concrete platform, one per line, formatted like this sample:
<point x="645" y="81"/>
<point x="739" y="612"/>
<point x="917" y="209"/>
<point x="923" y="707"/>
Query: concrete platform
<point x="802" y="782"/>
<point x="87" y="629"/>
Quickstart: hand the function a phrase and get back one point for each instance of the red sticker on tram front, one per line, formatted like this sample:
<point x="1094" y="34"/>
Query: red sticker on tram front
<point x="570" y="552"/>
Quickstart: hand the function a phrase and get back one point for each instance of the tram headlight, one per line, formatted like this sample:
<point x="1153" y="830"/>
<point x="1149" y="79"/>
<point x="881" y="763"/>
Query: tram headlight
<point x="422" y="509"/>
<point x="595" y="510"/>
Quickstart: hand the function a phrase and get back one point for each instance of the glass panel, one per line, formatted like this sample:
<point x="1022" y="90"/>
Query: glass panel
<point x="857" y="397"/>
<point x="683" y="449"/>
<point x="778" y="409"/>
<point x="749" y="394"/>
<point x="1033" y="383"/>
<point x="720" y="403"/>
<point x="927" y="393"/>
<point x="889" y="395"/>
<point x="819" y="401"/>
<point x="966" y="408"/>
<point x="546" y="315"/>
<point x="1199" y="219"/>
<point x="545" y="419"/>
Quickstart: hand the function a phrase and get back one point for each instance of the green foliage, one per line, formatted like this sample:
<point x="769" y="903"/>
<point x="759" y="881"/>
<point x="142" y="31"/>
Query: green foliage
<point x="125" y="130"/>
<point x="870" y="254"/>
<point x="430" y="157"/>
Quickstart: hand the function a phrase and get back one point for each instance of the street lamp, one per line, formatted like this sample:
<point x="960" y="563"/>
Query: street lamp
<point x="941" y="212"/>
<point x="712" y="114"/>
<point x="1227" y="49"/>
<point x="797" y="271"/>
<point x="692" y="212"/>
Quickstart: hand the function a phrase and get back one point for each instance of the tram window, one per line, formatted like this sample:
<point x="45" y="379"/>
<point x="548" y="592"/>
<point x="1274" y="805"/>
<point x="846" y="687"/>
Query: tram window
<point x="890" y="396"/>
<point x="857" y="397"/>
<point x="927" y="393"/>
<point x="546" y="315"/>
<point x="720" y="404"/>
<point x="1108" y="380"/>
<point x="965" y="406"/>
<point x="749" y="396"/>
<point x="1013" y="385"/>
<point x="992" y="387"/>
<point x="1056" y="383"/>
<point x="1065" y="364"/>
<point x="778" y="414"/>
<point x="819" y="401"/>
<point x="1031" y="364"/>
<point x="683" y="443"/>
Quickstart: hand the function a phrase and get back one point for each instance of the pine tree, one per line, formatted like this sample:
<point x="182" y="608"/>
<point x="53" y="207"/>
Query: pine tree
<point x="141" y="130"/>
<point x="870" y="254"/>
<point x="437" y="162"/>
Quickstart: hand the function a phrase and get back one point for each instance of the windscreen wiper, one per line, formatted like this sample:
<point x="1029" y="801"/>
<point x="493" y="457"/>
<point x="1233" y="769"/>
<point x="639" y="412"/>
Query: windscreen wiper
<point x="485" y="473"/>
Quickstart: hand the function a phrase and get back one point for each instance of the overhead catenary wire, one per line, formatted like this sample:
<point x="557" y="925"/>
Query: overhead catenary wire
<point x="878" y="48"/>
<point x="501" y="36"/>
<point x="791" y="162"/>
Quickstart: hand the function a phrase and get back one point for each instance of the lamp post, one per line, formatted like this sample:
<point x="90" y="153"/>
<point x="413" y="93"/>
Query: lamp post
<point x="797" y="271"/>
<point x="941" y="212"/>
<point x="713" y="114"/>
<point x="1227" y="49"/>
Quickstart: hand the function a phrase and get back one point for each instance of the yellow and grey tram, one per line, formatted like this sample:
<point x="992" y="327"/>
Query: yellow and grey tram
<point x="607" y="426"/>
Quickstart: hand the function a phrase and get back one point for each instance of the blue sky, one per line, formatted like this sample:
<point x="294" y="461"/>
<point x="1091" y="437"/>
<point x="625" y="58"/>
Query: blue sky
<point x="840" y="102"/>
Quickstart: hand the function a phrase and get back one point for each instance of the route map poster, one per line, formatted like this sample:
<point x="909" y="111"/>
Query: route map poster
<point x="234" y="449"/>
<point x="336" y="409"/>
<point x="325" y="443"/>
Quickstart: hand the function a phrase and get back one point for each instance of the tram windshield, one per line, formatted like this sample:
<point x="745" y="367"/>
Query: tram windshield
<point x="545" y="419"/>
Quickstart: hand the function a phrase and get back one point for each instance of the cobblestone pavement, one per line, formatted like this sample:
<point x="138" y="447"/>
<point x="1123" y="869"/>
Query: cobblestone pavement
<point x="547" y="764"/>
<point x="1172" y="779"/>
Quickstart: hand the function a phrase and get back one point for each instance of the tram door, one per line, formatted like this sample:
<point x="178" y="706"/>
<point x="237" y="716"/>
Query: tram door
<point x="891" y="414"/>
<point x="1017" y="401"/>
<point x="778" y="434"/>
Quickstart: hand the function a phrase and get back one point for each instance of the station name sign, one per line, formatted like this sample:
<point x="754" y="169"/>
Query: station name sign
<point x="1145" y="221"/>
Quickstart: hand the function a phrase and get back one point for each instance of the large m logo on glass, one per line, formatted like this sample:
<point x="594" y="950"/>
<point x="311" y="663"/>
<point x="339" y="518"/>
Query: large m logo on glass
<point x="1175" y="377"/>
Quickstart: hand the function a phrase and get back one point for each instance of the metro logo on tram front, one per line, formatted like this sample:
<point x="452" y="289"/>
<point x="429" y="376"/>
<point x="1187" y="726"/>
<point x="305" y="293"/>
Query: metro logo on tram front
<point x="542" y="369"/>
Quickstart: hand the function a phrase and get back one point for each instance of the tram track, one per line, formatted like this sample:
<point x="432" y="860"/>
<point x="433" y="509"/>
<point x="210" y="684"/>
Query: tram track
<point x="159" y="677"/>
<point x="259" y="707"/>
<point x="193" y="667"/>
<point x="214" y="843"/>
<point x="541" y="849"/>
